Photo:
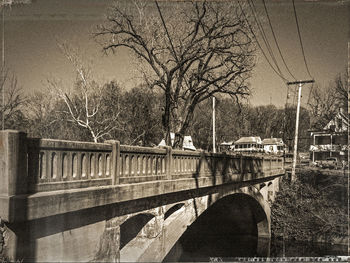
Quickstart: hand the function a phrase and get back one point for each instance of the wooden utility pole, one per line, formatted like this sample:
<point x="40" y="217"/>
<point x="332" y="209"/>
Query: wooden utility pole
<point x="348" y="190"/>
<point x="295" y="150"/>
<point x="214" y="148"/>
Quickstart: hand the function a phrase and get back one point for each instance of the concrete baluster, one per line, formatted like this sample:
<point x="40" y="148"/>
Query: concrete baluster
<point x="92" y="165"/>
<point x="139" y="164"/>
<point x="108" y="165"/>
<point x="202" y="164"/>
<point x="154" y="165"/>
<point x="132" y="164"/>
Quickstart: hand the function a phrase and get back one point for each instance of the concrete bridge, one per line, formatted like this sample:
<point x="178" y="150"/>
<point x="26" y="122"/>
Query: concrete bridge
<point x="79" y="201"/>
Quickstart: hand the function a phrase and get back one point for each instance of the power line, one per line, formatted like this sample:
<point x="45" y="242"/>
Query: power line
<point x="256" y="39"/>
<point x="265" y="39"/>
<point x="166" y="30"/>
<point x="301" y="43"/>
<point x="274" y="37"/>
<point x="262" y="32"/>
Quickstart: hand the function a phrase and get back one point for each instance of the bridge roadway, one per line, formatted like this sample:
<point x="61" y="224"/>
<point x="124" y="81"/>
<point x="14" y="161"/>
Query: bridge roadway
<point x="80" y="201"/>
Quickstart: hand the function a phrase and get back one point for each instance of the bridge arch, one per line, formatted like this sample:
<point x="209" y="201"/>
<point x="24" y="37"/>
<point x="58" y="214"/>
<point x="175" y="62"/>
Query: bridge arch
<point x="195" y="227"/>
<point x="132" y="226"/>
<point x="173" y="209"/>
<point x="236" y="221"/>
<point x="259" y="204"/>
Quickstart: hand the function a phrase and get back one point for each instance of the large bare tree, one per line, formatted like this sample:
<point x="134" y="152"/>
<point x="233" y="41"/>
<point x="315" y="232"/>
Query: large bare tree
<point x="325" y="102"/>
<point x="190" y="50"/>
<point x="341" y="88"/>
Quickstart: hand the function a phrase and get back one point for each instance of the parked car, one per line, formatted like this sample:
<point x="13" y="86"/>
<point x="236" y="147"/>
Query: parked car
<point x="330" y="162"/>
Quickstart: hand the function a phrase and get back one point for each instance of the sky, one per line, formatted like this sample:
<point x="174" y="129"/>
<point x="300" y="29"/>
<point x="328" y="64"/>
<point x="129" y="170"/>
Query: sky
<point x="32" y="31"/>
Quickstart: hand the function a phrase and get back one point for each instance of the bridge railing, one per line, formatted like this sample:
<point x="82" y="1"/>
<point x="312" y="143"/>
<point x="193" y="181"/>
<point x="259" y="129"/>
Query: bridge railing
<point x="185" y="164"/>
<point x="35" y="165"/>
<point x="138" y="164"/>
<point x="59" y="164"/>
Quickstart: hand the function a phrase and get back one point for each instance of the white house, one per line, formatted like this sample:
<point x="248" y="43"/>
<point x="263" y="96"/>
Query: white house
<point x="248" y="144"/>
<point x="332" y="140"/>
<point x="187" y="144"/>
<point x="225" y="146"/>
<point x="273" y="145"/>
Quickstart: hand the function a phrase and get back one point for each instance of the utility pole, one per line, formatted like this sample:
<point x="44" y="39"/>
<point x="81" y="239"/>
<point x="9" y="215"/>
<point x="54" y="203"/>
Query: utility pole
<point x="295" y="150"/>
<point x="348" y="190"/>
<point x="214" y="149"/>
<point x="3" y="64"/>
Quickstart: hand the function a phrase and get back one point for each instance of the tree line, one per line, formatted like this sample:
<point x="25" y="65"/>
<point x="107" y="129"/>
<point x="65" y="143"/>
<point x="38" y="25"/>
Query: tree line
<point x="134" y="116"/>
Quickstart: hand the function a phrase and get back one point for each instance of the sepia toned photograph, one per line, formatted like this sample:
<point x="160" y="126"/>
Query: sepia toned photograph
<point x="174" y="131"/>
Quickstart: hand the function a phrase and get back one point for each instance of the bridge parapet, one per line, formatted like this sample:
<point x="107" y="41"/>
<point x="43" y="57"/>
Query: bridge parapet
<point x="48" y="165"/>
<point x="139" y="164"/>
<point x="33" y="170"/>
<point x="59" y="164"/>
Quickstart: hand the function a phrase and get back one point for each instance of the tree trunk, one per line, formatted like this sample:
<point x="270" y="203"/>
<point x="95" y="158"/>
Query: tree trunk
<point x="93" y="135"/>
<point x="166" y="117"/>
<point x="180" y="135"/>
<point x="178" y="140"/>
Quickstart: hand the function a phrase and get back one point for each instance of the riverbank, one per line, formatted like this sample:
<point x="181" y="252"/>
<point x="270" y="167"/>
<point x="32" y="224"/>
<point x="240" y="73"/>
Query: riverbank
<point x="312" y="209"/>
<point x="323" y="171"/>
<point x="292" y="248"/>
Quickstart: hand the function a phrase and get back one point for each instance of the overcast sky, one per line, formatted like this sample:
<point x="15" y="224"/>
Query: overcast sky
<point x="32" y="54"/>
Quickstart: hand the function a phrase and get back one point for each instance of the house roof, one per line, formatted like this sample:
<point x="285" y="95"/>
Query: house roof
<point x="226" y="143"/>
<point x="251" y="139"/>
<point x="340" y="122"/>
<point x="187" y="143"/>
<point x="273" y="141"/>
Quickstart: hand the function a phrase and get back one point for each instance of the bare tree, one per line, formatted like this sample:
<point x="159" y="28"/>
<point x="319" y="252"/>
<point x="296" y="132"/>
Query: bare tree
<point x="39" y="109"/>
<point x="84" y="102"/>
<point x="142" y="115"/>
<point x="190" y="50"/>
<point x="11" y="99"/>
<point x="324" y="103"/>
<point x="341" y="89"/>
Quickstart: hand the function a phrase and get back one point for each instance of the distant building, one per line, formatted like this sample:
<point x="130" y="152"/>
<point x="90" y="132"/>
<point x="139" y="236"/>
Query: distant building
<point x="248" y="144"/>
<point x="187" y="144"/>
<point x="226" y="146"/>
<point x="332" y="140"/>
<point x="274" y="145"/>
